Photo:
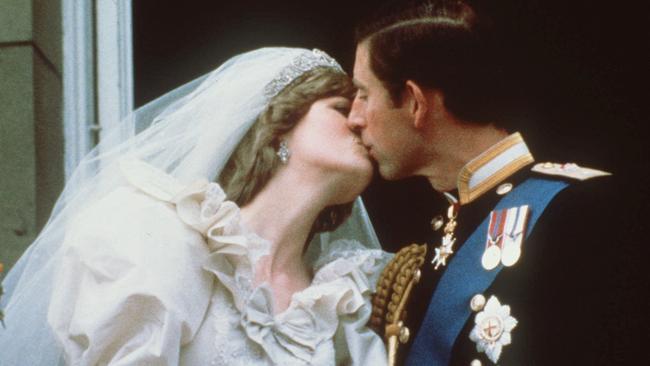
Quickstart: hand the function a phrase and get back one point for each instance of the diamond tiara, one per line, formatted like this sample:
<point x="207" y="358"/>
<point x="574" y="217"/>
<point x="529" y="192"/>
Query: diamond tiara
<point x="304" y="62"/>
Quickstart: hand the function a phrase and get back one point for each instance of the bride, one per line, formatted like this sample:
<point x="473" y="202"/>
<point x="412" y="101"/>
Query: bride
<point x="223" y="233"/>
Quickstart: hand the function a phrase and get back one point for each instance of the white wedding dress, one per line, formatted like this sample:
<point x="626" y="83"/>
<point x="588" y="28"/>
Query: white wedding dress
<point x="157" y="273"/>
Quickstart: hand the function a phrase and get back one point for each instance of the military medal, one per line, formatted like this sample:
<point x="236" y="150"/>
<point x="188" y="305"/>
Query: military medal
<point x="492" y="254"/>
<point x="491" y="257"/>
<point x="510" y="254"/>
<point x="504" y="238"/>
<point x="446" y="249"/>
<point x="516" y="219"/>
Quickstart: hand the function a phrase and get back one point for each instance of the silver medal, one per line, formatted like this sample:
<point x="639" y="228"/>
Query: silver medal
<point x="491" y="257"/>
<point x="510" y="253"/>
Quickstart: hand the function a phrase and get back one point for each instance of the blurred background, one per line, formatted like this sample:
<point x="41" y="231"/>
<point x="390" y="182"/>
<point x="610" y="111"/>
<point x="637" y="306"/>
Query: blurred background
<point x="68" y="68"/>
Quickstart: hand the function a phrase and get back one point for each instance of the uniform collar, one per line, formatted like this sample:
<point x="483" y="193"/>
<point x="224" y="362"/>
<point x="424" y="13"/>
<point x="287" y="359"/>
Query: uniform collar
<point x="492" y="166"/>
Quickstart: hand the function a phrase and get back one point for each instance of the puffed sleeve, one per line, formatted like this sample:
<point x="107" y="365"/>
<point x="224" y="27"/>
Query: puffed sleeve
<point x="355" y="342"/>
<point x="131" y="289"/>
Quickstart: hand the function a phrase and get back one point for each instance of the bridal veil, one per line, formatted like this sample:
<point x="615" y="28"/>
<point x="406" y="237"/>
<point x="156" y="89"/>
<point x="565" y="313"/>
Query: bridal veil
<point x="188" y="133"/>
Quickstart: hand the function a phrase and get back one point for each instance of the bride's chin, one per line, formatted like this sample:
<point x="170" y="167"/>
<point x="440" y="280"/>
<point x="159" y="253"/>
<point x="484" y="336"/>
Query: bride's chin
<point x="355" y="184"/>
<point x="367" y="173"/>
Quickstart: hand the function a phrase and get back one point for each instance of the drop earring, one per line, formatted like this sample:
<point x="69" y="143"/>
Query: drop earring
<point x="283" y="152"/>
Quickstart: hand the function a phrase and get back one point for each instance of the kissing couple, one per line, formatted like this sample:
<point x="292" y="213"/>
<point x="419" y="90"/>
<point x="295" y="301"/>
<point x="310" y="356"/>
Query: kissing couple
<point x="226" y="227"/>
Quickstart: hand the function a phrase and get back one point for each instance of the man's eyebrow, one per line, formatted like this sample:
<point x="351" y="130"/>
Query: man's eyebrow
<point x="358" y="84"/>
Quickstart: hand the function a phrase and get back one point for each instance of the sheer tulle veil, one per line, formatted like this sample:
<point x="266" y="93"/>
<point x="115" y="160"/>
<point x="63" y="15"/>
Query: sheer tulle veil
<point x="189" y="133"/>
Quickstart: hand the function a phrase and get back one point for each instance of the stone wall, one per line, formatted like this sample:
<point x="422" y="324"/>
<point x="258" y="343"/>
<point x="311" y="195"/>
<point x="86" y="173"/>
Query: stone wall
<point x="31" y="123"/>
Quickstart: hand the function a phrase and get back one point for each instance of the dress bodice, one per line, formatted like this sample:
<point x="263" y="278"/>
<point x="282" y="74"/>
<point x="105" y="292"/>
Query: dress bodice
<point x="198" y="296"/>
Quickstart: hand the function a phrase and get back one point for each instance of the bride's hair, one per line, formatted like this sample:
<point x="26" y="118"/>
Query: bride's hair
<point x="254" y="161"/>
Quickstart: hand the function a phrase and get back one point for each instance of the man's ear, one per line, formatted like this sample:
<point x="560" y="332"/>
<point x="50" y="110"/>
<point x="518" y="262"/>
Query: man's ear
<point x="417" y="103"/>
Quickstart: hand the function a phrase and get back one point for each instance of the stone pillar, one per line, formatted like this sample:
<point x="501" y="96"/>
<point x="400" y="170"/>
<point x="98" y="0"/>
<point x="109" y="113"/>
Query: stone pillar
<point x="31" y="137"/>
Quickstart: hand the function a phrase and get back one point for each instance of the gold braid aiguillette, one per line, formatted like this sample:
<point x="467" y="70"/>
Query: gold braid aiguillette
<point x="393" y="291"/>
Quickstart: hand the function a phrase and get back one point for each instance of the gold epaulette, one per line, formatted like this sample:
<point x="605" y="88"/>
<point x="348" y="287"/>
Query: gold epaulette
<point x="393" y="292"/>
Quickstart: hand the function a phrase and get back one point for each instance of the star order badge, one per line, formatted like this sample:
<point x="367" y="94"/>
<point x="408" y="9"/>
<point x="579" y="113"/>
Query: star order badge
<point x="492" y="328"/>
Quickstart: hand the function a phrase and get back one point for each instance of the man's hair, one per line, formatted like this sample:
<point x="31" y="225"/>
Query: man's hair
<point x="254" y="161"/>
<point x="444" y="45"/>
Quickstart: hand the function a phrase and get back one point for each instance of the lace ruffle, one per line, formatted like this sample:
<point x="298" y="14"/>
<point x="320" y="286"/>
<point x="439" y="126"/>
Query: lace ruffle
<point x="345" y="276"/>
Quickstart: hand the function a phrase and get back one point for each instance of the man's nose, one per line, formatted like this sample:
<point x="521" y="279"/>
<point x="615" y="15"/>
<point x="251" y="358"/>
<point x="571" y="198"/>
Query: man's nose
<point x="356" y="119"/>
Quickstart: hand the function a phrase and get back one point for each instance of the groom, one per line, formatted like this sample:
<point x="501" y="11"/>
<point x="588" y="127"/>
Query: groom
<point x="519" y="271"/>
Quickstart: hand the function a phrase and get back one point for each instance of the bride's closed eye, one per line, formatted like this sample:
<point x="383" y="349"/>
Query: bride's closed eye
<point x="343" y="106"/>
